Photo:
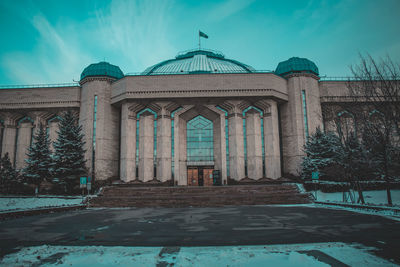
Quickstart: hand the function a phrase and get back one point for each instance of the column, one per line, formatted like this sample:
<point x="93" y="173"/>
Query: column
<point x="271" y="142"/>
<point x="128" y="145"/>
<point x="236" y="147"/>
<point x="146" y="146"/>
<point x="163" y="146"/>
<point x="23" y="143"/>
<point x="180" y="170"/>
<point x="1" y="137"/>
<point x="53" y="128"/>
<point x="8" y="144"/>
<point x="254" y="145"/>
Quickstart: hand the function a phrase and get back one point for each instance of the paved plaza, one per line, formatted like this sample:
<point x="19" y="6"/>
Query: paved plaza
<point x="188" y="227"/>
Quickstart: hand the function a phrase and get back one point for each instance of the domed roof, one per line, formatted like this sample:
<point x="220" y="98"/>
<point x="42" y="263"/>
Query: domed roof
<point x="296" y="64"/>
<point x="198" y="61"/>
<point x="102" y="69"/>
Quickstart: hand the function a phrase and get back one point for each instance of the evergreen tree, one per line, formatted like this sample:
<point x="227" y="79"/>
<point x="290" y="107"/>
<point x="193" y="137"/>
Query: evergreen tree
<point x="8" y="174"/>
<point x="69" y="158"/>
<point x="323" y="151"/>
<point x="39" y="162"/>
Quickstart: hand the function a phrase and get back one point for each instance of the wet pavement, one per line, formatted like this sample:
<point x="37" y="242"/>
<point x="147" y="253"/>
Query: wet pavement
<point x="224" y="226"/>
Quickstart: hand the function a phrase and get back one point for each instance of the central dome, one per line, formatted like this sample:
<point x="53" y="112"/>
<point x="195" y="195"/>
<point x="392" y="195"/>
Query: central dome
<point x="198" y="61"/>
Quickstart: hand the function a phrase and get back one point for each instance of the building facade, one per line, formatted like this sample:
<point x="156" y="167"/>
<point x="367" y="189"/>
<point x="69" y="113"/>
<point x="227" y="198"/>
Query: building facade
<point x="181" y="119"/>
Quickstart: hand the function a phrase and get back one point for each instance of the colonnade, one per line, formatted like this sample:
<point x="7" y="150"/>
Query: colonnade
<point x="129" y="111"/>
<point x="16" y="132"/>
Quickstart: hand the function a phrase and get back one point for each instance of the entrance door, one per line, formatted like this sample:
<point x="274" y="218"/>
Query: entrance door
<point x="193" y="177"/>
<point x="200" y="176"/>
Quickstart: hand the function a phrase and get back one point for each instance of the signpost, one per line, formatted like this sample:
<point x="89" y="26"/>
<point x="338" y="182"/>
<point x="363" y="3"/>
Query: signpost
<point x="315" y="179"/>
<point x="83" y="182"/>
<point x="89" y="184"/>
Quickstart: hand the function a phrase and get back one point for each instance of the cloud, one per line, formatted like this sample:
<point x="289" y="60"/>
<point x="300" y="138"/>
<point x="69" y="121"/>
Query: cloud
<point x="227" y="9"/>
<point x="139" y="30"/>
<point x="56" y="57"/>
<point x="137" y="33"/>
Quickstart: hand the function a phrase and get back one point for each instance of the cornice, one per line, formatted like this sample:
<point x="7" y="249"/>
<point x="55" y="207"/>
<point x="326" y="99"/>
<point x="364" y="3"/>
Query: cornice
<point x="291" y="75"/>
<point x="174" y="93"/>
<point x="96" y="78"/>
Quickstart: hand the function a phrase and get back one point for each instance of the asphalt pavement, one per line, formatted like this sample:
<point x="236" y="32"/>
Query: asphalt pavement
<point x="223" y="226"/>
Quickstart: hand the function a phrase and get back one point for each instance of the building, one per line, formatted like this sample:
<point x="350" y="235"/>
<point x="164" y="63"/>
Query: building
<point x="180" y="119"/>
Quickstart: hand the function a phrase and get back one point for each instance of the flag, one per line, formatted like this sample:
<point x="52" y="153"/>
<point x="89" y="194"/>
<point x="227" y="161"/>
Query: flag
<point x="202" y="34"/>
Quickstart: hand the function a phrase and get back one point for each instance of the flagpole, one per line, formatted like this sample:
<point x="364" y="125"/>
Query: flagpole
<point x="199" y="40"/>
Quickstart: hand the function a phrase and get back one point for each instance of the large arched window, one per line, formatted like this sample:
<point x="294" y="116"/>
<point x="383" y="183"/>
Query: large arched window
<point x="200" y="140"/>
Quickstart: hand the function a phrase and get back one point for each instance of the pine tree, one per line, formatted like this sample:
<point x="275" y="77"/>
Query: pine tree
<point x="69" y="158"/>
<point x="8" y="174"/>
<point x="39" y="162"/>
<point x="323" y="150"/>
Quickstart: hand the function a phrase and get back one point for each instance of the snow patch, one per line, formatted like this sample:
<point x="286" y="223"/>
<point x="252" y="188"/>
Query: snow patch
<point x="314" y="254"/>
<point x="26" y="203"/>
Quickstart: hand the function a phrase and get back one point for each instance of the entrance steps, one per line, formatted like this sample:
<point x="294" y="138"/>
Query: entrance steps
<point x="116" y="196"/>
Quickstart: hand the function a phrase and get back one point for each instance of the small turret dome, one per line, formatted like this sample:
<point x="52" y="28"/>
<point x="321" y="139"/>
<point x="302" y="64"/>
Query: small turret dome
<point x="102" y="69"/>
<point x="296" y="64"/>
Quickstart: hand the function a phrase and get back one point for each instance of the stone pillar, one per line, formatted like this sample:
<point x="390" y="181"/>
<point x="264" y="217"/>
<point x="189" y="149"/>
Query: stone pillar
<point x="146" y="146"/>
<point x="1" y="137"/>
<point x="236" y="146"/>
<point x="53" y="128"/>
<point x="271" y="142"/>
<point x="8" y="144"/>
<point x="163" y="146"/>
<point x="23" y="143"/>
<point x="254" y="145"/>
<point x="219" y="143"/>
<point x="128" y="144"/>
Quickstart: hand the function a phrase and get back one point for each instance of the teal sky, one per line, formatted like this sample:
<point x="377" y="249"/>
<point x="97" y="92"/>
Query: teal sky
<point x="48" y="41"/>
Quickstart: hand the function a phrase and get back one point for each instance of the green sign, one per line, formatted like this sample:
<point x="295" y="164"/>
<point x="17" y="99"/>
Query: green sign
<point x="315" y="175"/>
<point x="83" y="180"/>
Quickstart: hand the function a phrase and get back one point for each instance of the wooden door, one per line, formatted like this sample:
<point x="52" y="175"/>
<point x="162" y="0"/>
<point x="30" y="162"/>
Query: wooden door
<point x="193" y="177"/>
<point x="208" y="177"/>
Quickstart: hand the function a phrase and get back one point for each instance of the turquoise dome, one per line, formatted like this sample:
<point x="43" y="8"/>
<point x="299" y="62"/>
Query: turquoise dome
<point x="198" y="61"/>
<point x="102" y="69"/>
<point x="296" y="64"/>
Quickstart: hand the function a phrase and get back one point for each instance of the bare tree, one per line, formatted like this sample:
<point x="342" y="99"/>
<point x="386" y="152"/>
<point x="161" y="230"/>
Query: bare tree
<point x="376" y="87"/>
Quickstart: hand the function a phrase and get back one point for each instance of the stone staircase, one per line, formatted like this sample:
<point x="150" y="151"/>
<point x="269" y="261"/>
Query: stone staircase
<point x="117" y="196"/>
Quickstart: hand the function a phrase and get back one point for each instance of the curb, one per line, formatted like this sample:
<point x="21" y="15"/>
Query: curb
<point x="358" y="206"/>
<point x="22" y="213"/>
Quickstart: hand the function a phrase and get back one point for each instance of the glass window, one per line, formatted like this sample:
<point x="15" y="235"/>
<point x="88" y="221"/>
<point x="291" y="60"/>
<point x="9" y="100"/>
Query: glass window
<point x="303" y="97"/>
<point x="200" y="140"/>
<point x="94" y="133"/>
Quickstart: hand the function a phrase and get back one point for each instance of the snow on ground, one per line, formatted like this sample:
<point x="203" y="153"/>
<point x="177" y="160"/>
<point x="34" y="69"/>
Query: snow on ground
<point x="377" y="197"/>
<point x="26" y="203"/>
<point x="317" y="254"/>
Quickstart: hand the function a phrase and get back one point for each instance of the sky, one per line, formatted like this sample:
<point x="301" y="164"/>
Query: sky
<point x="48" y="41"/>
